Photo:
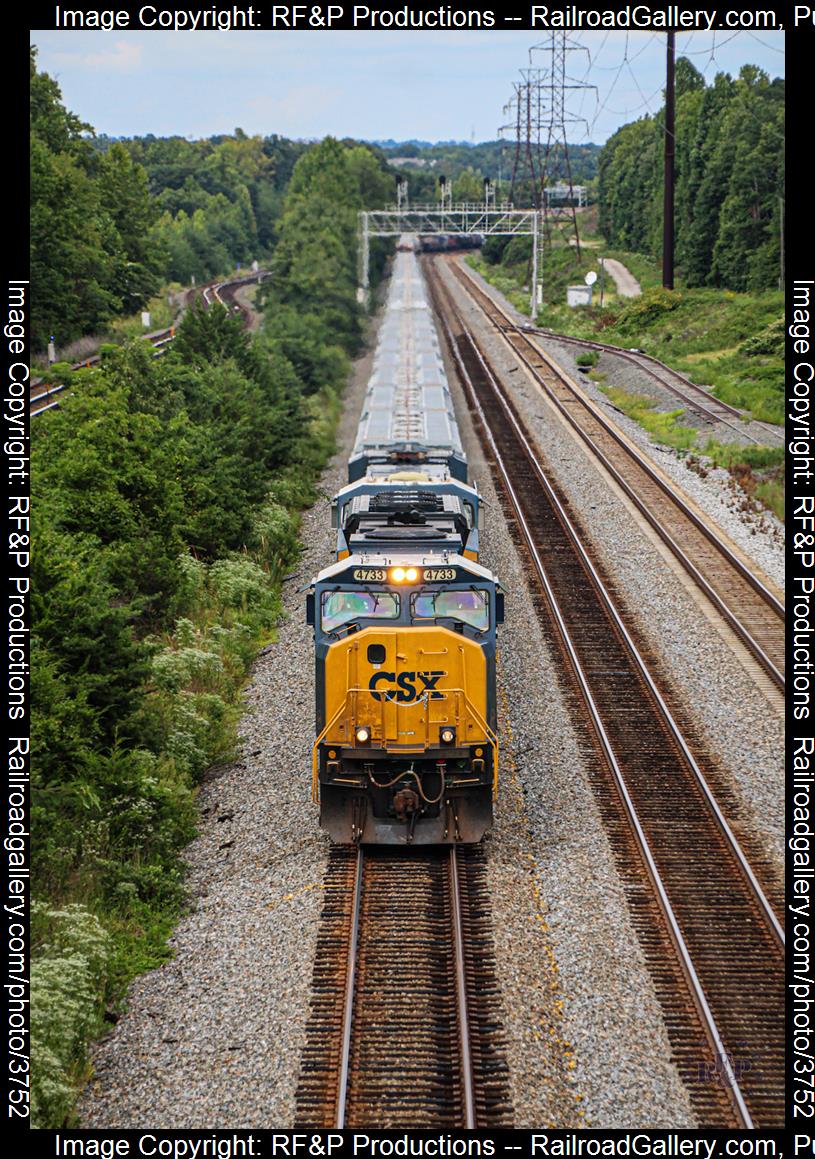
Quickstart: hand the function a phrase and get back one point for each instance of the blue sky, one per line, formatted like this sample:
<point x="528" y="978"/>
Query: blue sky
<point x="369" y="85"/>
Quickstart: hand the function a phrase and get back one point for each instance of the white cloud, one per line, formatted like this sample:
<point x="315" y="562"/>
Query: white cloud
<point x="124" y="56"/>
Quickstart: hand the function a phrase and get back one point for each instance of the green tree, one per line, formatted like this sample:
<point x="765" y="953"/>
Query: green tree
<point x="126" y="199"/>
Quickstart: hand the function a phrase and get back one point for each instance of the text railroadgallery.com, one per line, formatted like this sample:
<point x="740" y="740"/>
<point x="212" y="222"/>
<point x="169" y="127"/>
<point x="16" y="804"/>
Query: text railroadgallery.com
<point x="801" y="449"/>
<point x="277" y="17"/>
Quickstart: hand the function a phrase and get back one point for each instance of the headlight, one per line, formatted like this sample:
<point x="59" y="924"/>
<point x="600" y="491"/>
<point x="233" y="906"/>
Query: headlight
<point x="402" y="575"/>
<point x="447" y="735"/>
<point x="363" y="735"/>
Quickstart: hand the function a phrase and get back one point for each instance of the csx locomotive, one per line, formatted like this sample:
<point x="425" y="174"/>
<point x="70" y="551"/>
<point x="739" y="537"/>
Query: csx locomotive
<point x="405" y="617"/>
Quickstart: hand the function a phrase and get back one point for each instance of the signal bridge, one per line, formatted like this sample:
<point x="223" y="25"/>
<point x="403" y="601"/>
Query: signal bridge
<point x="485" y="218"/>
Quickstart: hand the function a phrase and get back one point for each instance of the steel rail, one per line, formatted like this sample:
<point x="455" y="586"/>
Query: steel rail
<point x="467" y="1082"/>
<point x="158" y="339"/>
<point x="350" y="988"/>
<point x="731" y="617"/>
<point x="662" y="374"/>
<point x="641" y="461"/>
<point x="615" y="615"/>
<point x="677" y="937"/>
<point x="638" y="358"/>
<point x="642" y="842"/>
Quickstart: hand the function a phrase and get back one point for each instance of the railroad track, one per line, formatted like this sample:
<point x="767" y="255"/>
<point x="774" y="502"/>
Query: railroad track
<point x="707" y="926"/>
<point x="45" y="396"/>
<point x="751" y="610"/>
<point x="713" y="410"/>
<point x="404" y="1028"/>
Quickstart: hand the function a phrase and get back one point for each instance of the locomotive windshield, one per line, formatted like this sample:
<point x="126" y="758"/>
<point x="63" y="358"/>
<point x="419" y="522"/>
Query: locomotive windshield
<point x="340" y="608"/>
<point x="472" y="606"/>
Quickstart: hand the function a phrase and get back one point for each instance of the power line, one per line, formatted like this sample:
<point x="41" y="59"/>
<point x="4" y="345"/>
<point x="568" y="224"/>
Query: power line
<point x="764" y="44"/>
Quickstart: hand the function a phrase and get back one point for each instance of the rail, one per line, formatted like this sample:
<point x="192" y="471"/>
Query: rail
<point x="697" y="931"/>
<point x="159" y="340"/>
<point x="734" y="615"/>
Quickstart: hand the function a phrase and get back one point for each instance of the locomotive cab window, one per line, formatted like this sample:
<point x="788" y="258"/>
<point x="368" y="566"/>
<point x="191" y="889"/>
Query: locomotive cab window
<point x="471" y="607"/>
<point x="342" y="607"/>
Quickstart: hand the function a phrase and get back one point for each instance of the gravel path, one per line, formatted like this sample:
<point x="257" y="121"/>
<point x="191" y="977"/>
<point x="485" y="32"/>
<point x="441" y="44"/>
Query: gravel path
<point x="627" y="285"/>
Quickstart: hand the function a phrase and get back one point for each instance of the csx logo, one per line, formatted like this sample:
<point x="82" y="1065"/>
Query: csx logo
<point x="409" y="686"/>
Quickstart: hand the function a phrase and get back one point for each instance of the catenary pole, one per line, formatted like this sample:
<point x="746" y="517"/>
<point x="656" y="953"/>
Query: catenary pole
<point x="670" y="150"/>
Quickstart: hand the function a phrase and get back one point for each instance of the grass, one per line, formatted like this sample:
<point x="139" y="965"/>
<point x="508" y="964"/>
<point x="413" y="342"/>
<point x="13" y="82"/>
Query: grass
<point x="663" y="426"/>
<point x="163" y="310"/>
<point x="759" y="472"/>
<point x="732" y="343"/>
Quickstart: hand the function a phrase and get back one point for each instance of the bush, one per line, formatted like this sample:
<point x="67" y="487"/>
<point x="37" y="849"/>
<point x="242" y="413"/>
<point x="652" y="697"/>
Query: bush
<point x="68" y="973"/>
<point x="770" y="341"/>
<point x="237" y="582"/>
<point x="275" y="535"/>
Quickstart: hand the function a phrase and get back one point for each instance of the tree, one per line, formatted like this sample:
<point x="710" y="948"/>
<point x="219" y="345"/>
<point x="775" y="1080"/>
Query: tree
<point x="729" y="180"/>
<point x="126" y="199"/>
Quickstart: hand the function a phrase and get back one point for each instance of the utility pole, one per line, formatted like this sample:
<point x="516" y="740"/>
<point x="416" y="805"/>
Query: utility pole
<point x="535" y="267"/>
<point x="670" y="152"/>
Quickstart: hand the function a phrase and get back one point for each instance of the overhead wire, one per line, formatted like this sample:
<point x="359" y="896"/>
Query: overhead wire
<point x="764" y="44"/>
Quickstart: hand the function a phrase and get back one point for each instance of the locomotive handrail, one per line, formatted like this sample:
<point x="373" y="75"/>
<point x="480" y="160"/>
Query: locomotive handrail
<point x="492" y="738"/>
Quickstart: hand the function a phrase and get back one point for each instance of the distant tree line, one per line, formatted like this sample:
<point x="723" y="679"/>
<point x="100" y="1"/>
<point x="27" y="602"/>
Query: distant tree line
<point x="216" y="200"/>
<point x="729" y="180"/>
<point x="468" y="165"/>
<point x="93" y="254"/>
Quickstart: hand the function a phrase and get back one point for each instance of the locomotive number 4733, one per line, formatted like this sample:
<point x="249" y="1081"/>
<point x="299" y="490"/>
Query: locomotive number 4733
<point x="434" y="574"/>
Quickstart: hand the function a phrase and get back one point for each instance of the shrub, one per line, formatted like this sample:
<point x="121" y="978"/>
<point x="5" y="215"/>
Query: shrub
<point x="237" y="582"/>
<point x="275" y="531"/>
<point x="68" y="972"/>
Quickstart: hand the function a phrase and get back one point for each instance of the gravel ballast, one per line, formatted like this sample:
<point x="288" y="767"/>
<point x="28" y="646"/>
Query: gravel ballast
<point x="213" y="1038"/>
<point x="712" y="680"/>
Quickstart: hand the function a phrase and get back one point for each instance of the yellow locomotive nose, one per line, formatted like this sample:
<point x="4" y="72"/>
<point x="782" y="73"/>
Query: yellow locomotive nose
<point x="406" y="690"/>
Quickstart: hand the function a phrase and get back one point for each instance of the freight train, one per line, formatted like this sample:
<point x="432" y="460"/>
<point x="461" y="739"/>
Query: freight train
<point x="406" y="748"/>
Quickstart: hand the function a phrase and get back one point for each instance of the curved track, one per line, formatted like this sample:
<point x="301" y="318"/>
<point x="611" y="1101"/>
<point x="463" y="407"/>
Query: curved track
<point x="404" y="1028"/>
<point x="753" y="612"/>
<point x="711" y="409"/>
<point x="709" y="932"/>
<point x="44" y="396"/>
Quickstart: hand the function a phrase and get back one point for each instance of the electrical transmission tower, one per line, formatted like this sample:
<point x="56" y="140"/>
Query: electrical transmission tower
<point x="541" y="167"/>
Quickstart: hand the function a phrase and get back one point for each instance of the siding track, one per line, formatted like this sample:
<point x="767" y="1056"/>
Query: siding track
<point x="752" y="611"/>
<point x="709" y="931"/>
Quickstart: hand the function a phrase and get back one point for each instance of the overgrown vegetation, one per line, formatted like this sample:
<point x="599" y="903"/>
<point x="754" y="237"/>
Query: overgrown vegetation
<point x="92" y="255"/>
<point x="729" y="180"/>
<point x="216" y="201"/>
<point x="731" y="337"/>
<point x="167" y="493"/>
<point x="663" y="426"/>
